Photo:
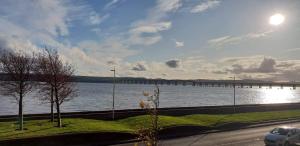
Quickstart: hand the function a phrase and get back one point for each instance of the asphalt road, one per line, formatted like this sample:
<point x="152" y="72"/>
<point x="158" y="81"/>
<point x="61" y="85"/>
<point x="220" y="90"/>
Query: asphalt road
<point x="244" y="137"/>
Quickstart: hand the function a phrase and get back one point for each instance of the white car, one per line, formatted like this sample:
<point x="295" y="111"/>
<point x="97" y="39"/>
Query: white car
<point x="283" y="136"/>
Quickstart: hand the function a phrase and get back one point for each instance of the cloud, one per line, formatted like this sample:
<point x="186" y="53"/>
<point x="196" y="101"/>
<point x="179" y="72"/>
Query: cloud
<point x="219" y="72"/>
<point x="152" y="28"/>
<point x="173" y="63"/>
<point x="29" y="25"/>
<point x="148" y="34"/>
<point x="140" y="67"/>
<point x="293" y="50"/>
<point x="221" y="41"/>
<point x="230" y="40"/>
<point x="179" y="44"/>
<point x="48" y="22"/>
<point x="96" y="30"/>
<point x="286" y="64"/>
<point x="266" y="66"/>
<point x="261" y="68"/>
<point x="40" y="22"/>
<point x="14" y="43"/>
<point x="168" y="5"/>
<point x="159" y="12"/>
<point x="49" y="16"/>
<point x="106" y="49"/>
<point x="111" y="62"/>
<point x="96" y="19"/>
<point x="210" y="4"/>
<point x="288" y="75"/>
<point x="195" y="67"/>
<point x="93" y="57"/>
<point x="111" y="4"/>
<point x="147" y="31"/>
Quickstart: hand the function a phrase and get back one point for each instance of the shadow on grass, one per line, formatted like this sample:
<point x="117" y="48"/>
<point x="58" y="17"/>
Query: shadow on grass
<point x="106" y="138"/>
<point x="221" y="121"/>
<point x="26" y="132"/>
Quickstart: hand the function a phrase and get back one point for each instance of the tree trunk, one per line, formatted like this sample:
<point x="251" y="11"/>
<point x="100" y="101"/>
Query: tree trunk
<point x="21" y="111"/>
<point x="52" y="104"/>
<point x="59" y="124"/>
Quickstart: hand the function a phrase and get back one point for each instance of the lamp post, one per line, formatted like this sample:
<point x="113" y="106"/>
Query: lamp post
<point x="233" y="93"/>
<point x="114" y="84"/>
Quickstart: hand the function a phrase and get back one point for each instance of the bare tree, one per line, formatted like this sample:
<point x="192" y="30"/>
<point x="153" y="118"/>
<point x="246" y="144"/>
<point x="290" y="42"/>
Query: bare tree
<point x="18" y="67"/>
<point x="57" y="78"/>
<point x="45" y="88"/>
<point x="148" y="134"/>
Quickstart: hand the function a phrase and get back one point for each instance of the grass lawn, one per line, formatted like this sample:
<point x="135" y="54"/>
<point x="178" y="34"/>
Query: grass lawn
<point x="37" y="128"/>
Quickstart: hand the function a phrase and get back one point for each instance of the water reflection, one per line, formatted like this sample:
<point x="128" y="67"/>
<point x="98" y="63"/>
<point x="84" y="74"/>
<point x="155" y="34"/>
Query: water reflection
<point x="277" y="95"/>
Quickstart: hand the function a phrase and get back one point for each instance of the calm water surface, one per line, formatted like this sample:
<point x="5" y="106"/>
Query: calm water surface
<point x="98" y="96"/>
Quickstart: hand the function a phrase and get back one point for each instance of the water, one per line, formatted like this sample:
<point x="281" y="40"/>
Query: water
<point x="98" y="96"/>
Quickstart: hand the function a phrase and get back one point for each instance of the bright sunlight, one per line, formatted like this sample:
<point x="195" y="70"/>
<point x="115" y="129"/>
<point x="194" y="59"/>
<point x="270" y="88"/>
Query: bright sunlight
<point x="276" y="19"/>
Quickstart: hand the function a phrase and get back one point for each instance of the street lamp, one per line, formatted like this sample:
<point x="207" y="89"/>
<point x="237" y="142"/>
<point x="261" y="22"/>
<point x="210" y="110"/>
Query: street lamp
<point x="233" y="93"/>
<point x="114" y="84"/>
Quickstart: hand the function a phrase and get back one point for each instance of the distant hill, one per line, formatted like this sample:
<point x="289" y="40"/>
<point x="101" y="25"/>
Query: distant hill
<point x="93" y="79"/>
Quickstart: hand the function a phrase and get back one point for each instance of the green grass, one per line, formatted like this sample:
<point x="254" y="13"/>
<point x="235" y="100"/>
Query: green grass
<point x="45" y="128"/>
<point x="38" y="128"/>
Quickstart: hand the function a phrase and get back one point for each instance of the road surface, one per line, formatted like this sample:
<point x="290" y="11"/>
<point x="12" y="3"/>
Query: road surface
<point x="243" y="137"/>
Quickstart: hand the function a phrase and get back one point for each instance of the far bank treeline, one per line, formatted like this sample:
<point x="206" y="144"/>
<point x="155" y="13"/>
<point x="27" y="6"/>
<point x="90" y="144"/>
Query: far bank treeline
<point x="20" y="71"/>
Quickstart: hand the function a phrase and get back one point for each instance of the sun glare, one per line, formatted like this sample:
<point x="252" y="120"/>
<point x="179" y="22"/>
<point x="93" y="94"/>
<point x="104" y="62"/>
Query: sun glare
<point x="276" y="19"/>
<point x="276" y="95"/>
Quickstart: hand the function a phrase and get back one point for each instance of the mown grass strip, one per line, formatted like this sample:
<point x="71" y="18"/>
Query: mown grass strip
<point x="38" y="128"/>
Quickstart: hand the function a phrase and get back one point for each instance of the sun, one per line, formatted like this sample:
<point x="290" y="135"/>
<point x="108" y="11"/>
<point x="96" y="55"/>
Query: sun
<point x="276" y="19"/>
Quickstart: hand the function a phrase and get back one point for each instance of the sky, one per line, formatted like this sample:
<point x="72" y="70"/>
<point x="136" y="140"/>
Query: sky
<point x="171" y="39"/>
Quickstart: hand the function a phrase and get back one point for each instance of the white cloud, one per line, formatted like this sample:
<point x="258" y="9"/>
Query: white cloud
<point x="148" y="34"/>
<point x="46" y="15"/>
<point x="96" y="19"/>
<point x="147" y="31"/>
<point x="111" y="4"/>
<point x="27" y="25"/>
<point x="168" y="5"/>
<point x="179" y="44"/>
<point x="152" y="28"/>
<point x="162" y="8"/>
<point x="17" y="44"/>
<point x="225" y="40"/>
<point x="230" y="40"/>
<point x="40" y="22"/>
<point x="205" y="6"/>
<point x="96" y="58"/>
<point x="107" y="49"/>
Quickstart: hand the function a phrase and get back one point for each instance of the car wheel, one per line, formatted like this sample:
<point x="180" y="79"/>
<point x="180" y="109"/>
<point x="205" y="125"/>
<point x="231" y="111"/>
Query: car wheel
<point x="286" y="144"/>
